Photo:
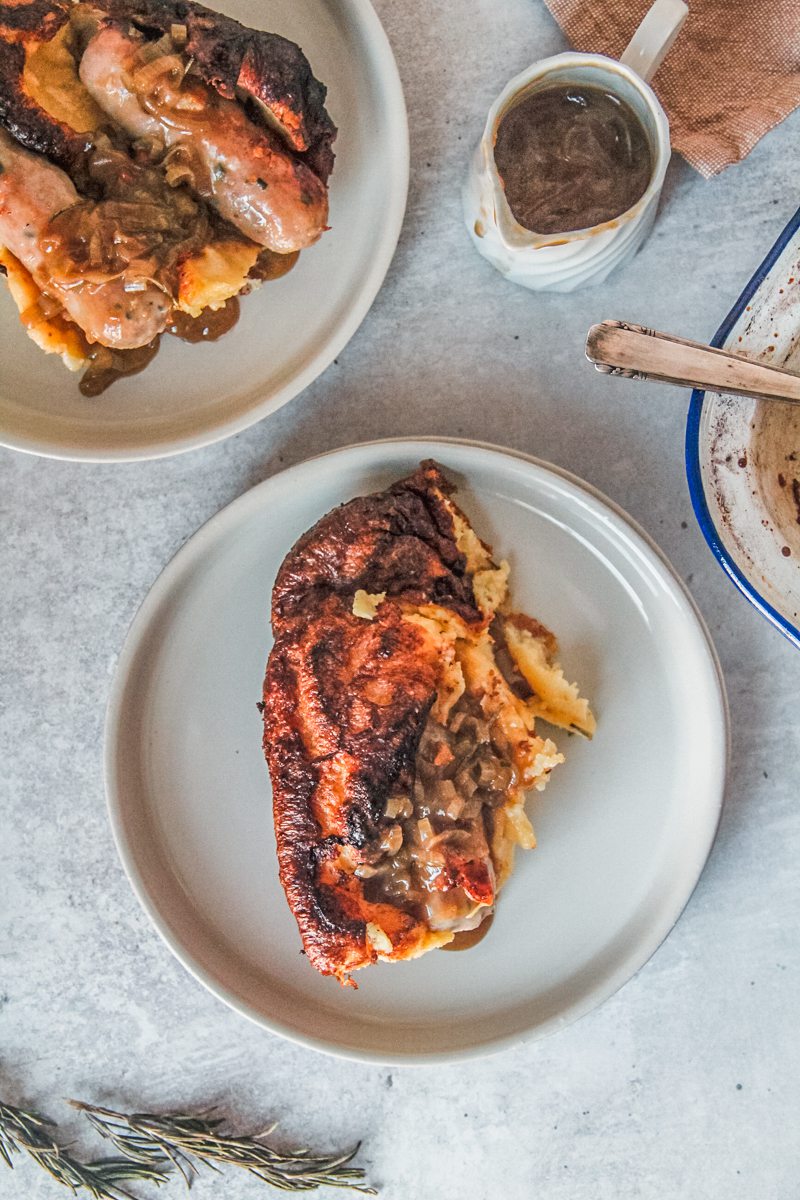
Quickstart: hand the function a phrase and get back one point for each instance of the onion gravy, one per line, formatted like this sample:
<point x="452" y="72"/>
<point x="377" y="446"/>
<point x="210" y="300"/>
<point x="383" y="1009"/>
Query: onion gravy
<point x="210" y="325"/>
<point x="108" y="365"/>
<point x="571" y="157"/>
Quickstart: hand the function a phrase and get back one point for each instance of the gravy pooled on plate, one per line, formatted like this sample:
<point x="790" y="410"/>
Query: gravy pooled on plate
<point x="571" y="157"/>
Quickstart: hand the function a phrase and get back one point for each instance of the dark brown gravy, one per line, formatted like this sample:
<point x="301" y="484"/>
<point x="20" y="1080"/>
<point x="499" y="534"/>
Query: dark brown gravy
<point x="470" y="937"/>
<point x="210" y="325"/>
<point x="571" y="157"/>
<point x="270" y="265"/>
<point x="109" y="365"/>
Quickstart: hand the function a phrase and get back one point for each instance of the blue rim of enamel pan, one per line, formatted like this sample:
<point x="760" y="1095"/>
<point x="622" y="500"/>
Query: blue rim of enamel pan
<point x="693" y="470"/>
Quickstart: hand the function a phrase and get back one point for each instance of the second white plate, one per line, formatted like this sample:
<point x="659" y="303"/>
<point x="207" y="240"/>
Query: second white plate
<point x="624" y="826"/>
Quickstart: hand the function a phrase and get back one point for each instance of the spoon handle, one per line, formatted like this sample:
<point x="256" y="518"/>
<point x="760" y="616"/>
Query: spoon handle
<point x="620" y="348"/>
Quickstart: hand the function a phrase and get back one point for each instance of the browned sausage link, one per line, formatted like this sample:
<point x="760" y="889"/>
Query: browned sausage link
<point x="243" y="169"/>
<point x="32" y="190"/>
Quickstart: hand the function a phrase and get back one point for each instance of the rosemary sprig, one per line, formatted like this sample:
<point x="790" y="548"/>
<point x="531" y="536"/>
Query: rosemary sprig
<point x="159" y="1142"/>
<point x="151" y="1146"/>
<point x="24" y="1131"/>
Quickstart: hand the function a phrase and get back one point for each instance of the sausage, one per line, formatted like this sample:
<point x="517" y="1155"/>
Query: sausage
<point x="242" y="169"/>
<point x="32" y="191"/>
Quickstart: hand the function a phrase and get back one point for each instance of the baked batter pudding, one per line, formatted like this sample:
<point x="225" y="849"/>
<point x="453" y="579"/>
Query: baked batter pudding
<point x="400" y="705"/>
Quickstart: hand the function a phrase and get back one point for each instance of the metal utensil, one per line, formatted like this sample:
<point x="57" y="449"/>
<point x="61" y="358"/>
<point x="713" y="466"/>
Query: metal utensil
<point x="635" y="352"/>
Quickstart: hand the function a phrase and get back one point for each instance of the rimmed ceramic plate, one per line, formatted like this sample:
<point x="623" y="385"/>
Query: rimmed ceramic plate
<point x="624" y="826"/>
<point x="289" y="330"/>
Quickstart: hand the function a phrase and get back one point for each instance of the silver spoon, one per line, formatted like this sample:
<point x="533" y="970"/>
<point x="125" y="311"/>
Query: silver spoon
<point x="635" y="352"/>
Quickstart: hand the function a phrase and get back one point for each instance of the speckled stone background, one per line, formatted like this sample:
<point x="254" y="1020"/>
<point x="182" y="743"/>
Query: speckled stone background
<point x="686" y="1082"/>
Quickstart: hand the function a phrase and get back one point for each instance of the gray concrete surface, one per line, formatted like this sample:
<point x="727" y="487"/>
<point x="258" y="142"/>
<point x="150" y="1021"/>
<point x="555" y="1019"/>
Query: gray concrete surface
<point x="686" y="1082"/>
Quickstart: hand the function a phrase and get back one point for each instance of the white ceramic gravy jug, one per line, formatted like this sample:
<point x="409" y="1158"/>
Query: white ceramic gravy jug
<point x="560" y="262"/>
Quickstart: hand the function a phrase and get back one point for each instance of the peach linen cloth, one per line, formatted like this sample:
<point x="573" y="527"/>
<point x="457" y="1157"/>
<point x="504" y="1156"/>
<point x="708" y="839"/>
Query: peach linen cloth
<point x="731" y="76"/>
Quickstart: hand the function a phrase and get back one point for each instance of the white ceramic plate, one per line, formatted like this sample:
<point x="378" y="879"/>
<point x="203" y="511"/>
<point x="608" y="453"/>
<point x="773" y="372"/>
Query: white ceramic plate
<point x="624" y="826"/>
<point x="289" y="330"/>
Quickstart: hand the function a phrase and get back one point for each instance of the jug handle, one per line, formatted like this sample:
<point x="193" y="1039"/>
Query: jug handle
<point x="654" y="37"/>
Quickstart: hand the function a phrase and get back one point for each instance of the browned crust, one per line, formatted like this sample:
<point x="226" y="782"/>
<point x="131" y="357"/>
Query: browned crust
<point x="236" y="60"/>
<point x="346" y="699"/>
<point x="21" y="26"/>
<point x="320" y="713"/>
<point x="30" y="125"/>
<point x="400" y="541"/>
<point x="22" y="19"/>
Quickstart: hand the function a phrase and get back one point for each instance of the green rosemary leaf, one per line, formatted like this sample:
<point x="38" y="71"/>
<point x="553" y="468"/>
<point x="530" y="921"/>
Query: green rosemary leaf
<point x="187" y="1141"/>
<point x="150" y="1147"/>
<point x="23" y="1131"/>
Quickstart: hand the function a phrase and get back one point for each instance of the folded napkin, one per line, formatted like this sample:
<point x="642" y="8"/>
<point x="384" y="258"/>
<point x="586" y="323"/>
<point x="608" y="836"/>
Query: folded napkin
<point x="731" y="76"/>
